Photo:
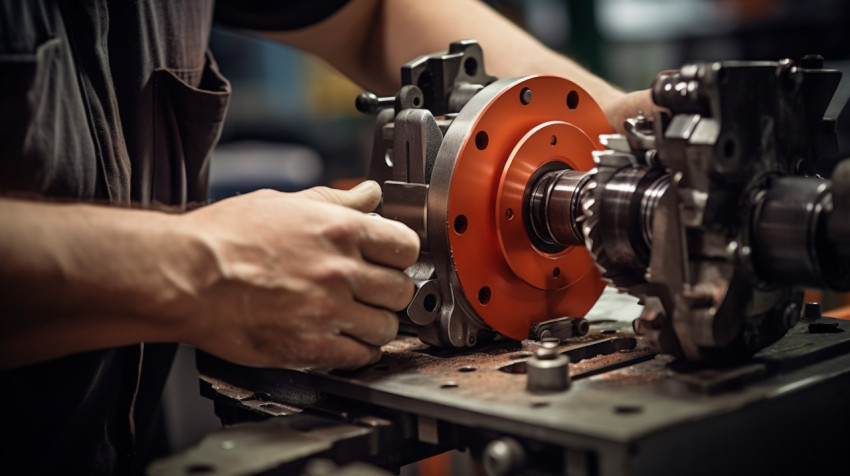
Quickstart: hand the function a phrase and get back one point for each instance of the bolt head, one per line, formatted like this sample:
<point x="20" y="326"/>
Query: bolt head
<point x="546" y="352"/>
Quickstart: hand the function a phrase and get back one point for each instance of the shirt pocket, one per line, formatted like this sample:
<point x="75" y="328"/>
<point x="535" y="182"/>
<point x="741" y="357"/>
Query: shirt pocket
<point x="45" y="143"/>
<point x="187" y="124"/>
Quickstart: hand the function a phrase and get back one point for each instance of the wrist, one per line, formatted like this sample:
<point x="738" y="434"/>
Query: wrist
<point x="185" y="269"/>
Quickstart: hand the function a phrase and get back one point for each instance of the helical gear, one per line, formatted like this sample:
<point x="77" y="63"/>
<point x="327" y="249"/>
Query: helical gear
<point x="613" y="215"/>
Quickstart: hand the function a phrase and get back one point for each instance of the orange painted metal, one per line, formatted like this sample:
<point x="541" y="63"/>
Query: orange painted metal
<point x="510" y="283"/>
<point x="437" y="465"/>
<point x="839" y="313"/>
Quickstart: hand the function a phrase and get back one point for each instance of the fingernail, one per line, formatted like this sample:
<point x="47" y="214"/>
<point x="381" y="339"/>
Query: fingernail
<point x="365" y="185"/>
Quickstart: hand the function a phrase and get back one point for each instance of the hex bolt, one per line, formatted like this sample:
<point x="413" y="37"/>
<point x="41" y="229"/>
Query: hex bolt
<point x="812" y="311"/>
<point x="503" y="457"/>
<point x="547" y="371"/>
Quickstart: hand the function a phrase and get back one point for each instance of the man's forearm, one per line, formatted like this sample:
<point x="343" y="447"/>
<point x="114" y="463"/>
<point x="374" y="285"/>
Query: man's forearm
<point x="80" y="277"/>
<point x="508" y="50"/>
<point x="379" y="36"/>
<point x="267" y="278"/>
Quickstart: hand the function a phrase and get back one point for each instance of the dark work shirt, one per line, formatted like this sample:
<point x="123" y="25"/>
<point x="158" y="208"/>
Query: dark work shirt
<point x="114" y="102"/>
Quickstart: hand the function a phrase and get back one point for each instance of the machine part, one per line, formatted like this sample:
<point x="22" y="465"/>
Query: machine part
<point x="559" y="329"/>
<point x="504" y="457"/>
<point x="709" y="212"/>
<point x="651" y="416"/>
<point x="277" y="444"/>
<point x="487" y="160"/>
<point x="619" y="208"/>
<point x="369" y="103"/>
<point x="460" y="168"/>
<point x="811" y="311"/>
<point x="790" y="242"/>
<point x="547" y="370"/>
<point x="706" y="214"/>
<point x="553" y="197"/>
<point x="448" y="80"/>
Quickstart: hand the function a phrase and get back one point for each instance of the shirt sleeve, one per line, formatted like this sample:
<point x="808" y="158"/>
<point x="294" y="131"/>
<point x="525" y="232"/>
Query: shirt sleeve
<point x="274" y="14"/>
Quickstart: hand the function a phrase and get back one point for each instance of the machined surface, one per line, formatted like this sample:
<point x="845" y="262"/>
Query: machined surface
<point x="482" y="170"/>
<point x="626" y="412"/>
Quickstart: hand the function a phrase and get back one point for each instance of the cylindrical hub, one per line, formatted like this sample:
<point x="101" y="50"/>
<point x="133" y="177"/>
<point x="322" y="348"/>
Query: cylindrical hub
<point x="626" y="205"/>
<point x="554" y="208"/>
<point x="789" y="235"/>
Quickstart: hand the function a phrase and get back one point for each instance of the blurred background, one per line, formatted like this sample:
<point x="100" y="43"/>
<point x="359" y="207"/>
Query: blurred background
<point x="292" y="122"/>
<point x="294" y="117"/>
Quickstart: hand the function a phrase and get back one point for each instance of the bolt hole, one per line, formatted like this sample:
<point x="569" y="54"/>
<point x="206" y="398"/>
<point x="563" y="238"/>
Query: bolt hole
<point x="417" y="101"/>
<point x="539" y="404"/>
<point x="553" y="140"/>
<point x="200" y="469"/>
<point x="525" y="96"/>
<point x="481" y="140"/>
<point x="556" y="273"/>
<point x="509" y="213"/>
<point x="628" y="409"/>
<point x="471" y="339"/>
<point x="268" y="405"/>
<point x="449" y="385"/>
<point x="470" y="66"/>
<point x="484" y="295"/>
<point x="467" y="369"/>
<point x="461" y="224"/>
<point x="430" y="303"/>
<point x="572" y="100"/>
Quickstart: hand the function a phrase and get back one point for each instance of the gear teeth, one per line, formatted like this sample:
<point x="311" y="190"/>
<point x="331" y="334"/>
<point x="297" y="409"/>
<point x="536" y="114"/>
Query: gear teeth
<point x="590" y="206"/>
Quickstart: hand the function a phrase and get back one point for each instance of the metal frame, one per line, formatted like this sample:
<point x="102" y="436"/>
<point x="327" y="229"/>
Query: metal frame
<point x="627" y="412"/>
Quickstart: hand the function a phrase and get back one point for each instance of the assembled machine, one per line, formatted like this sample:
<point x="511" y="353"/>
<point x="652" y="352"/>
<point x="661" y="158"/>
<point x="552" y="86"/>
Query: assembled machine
<point x="715" y="214"/>
<point x="714" y="211"/>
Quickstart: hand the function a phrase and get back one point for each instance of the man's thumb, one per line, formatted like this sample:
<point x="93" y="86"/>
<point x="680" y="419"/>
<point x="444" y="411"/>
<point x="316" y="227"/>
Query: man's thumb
<point x="365" y="197"/>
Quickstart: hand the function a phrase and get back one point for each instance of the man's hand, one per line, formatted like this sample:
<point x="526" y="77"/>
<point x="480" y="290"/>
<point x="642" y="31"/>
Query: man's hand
<point x="264" y="279"/>
<point x="301" y="281"/>
<point x="622" y="107"/>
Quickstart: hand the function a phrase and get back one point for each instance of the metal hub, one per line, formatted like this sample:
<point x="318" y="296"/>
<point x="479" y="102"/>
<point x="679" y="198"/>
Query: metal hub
<point x="503" y="136"/>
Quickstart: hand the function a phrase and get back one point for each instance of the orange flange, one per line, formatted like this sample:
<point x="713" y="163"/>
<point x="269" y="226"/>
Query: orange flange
<point x="511" y="283"/>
